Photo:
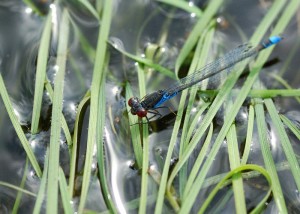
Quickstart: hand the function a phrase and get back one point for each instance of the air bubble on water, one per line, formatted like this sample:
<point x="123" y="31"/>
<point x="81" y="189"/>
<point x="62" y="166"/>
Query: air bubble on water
<point x="28" y="10"/>
<point x="191" y="4"/>
<point x="115" y="90"/>
<point x="72" y="106"/>
<point x="94" y="166"/>
<point x="32" y="174"/>
<point x="116" y="43"/>
<point x="33" y="144"/>
<point x="163" y="49"/>
<point x="193" y="15"/>
<point x="55" y="68"/>
<point x="129" y="163"/>
<point x="152" y="167"/>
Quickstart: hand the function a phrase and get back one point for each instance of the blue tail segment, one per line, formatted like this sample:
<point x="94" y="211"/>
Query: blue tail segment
<point x="272" y="41"/>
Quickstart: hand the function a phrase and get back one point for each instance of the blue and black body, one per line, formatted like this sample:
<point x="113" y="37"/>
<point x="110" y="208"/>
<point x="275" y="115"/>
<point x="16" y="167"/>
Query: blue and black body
<point x="151" y="102"/>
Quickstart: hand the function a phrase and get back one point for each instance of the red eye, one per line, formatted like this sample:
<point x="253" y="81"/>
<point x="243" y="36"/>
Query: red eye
<point x="131" y="101"/>
<point x="142" y="113"/>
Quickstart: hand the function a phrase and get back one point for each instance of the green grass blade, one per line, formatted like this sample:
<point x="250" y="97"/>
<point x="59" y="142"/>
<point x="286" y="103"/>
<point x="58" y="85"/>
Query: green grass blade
<point x="147" y="62"/>
<point x="43" y="186"/>
<point x="261" y="93"/>
<point x="52" y="196"/>
<point x="100" y="151"/>
<point x="291" y="126"/>
<point x="19" y="195"/>
<point x="198" y="162"/>
<point x="87" y="48"/>
<point x="8" y="185"/>
<point x="145" y="149"/>
<point x="267" y="155"/>
<point x="63" y="187"/>
<point x="41" y="74"/>
<point x="205" y="19"/>
<point x="98" y="74"/>
<point x="92" y="10"/>
<point x="163" y="183"/>
<point x="134" y="129"/>
<point x="32" y="5"/>
<point x="188" y="7"/>
<point x="187" y="204"/>
<point x="234" y="162"/>
<point x="284" y="139"/>
<point x="285" y="84"/>
<point x="199" y="60"/>
<point x="248" y="142"/>
<point x="64" y="124"/>
<point x="201" y="130"/>
<point x="79" y="114"/>
<point x="231" y="174"/>
<point x="145" y="166"/>
<point x="14" y="120"/>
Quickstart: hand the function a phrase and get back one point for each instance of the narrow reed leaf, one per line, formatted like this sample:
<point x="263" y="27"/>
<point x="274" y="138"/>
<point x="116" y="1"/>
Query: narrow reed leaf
<point x="145" y="149"/>
<point x="92" y="10"/>
<point x="234" y="162"/>
<point x="248" y="142"/>
<point x="43" y="186"/>
<point x="208" y="14"/>
<point x="286" y="85"/>
<point x="41" y="74"/>
<point x="198" y="162"/>
<point x="291" y="126"/>
<point x="269" y="93"/>
<point x="285" y="142"/>
<point x="15" y="122"/>
<point x="52" y="196"/>
<point x="32" y="5"/>
<point x="9" y="185"/>
<point x="98" y="75"/>
<point x="22" y="185"/>
<point x="100" y="150"/>
<point x="64" y="124"/>
<point x="267" y="156"/>
<point x="187" y="204"/>
<point x="63" y="187"/>
<point x="146" y="62"/>
<point x="164" y="177"/>
<point x="188" y="7"/>
<point x="79" y="114"/>
<point x="199" y="60"/>
<point x="231" y="174"/>
<point x="134" y="129"/>
<point x="144" y="184"/>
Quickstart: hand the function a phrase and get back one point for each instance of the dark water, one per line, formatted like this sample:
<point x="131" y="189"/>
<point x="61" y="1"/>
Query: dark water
<point x="136" y="27"/>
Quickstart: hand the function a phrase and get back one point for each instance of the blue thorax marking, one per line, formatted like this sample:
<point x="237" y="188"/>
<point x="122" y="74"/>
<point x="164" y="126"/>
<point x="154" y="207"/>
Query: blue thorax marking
<point x="164" y="98"/>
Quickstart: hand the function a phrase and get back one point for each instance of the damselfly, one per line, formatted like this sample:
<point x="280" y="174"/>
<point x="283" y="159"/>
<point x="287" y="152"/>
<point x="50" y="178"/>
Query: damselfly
<point x="151" y="102"/>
